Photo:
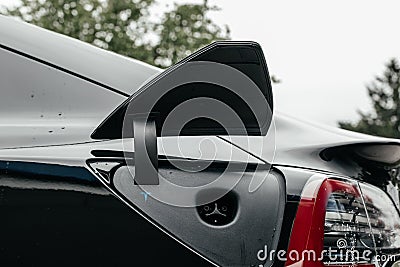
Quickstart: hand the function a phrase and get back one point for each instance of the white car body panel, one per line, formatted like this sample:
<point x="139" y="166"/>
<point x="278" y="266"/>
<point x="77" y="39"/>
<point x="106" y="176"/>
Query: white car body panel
<point x="50" y="71"/>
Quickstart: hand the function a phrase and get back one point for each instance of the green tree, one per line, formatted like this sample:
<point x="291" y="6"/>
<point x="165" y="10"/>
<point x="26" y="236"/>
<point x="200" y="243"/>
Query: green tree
<point x="126" y="26"/>
<point x="185" y="29"/>
<point x="384" y="119"/>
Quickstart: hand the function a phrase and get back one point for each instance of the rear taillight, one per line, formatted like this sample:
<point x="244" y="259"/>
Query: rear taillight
<point x="384" y="219"/>
<point x="347" y="235"/>
<point x="331" y="226"/>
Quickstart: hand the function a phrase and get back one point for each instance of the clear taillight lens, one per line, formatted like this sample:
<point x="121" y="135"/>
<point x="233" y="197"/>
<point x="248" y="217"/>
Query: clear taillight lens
<point x="385" y="224"/>
<point x="347" y="235"/>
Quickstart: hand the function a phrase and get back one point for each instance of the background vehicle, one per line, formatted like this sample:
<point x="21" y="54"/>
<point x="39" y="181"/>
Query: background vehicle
<point x="67" y="196"/>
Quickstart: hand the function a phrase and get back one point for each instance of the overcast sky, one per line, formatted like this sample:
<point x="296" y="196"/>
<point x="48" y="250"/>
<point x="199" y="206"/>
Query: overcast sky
<point x="323" y="51"/>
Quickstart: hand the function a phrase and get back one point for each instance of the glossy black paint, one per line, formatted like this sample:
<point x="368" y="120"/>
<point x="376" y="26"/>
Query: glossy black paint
<point x="61" y="220"/>
<point x="59" y="214"/>
<point x="54" y="221"/>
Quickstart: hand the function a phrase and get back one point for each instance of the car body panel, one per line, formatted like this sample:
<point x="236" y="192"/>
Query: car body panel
<point x="48" y="221"/>
<point x="301" y="143"/>
<point x="56" y="209"/>
<point x="296" y="142"/>
<point x="75" y="56"/>
<point x="40" y="105"/>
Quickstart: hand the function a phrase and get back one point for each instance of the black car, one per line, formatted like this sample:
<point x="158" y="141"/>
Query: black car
<point x="108" y="161"/>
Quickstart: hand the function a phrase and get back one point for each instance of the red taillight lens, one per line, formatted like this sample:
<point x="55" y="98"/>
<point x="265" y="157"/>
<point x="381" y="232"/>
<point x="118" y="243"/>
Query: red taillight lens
<point x="332" y="225"/>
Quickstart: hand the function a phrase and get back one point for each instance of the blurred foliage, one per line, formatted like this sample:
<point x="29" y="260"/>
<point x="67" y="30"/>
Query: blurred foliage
<point x="185" y="29"/>
<point x="384" y="119"/>
<point x="126" y="26"/>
